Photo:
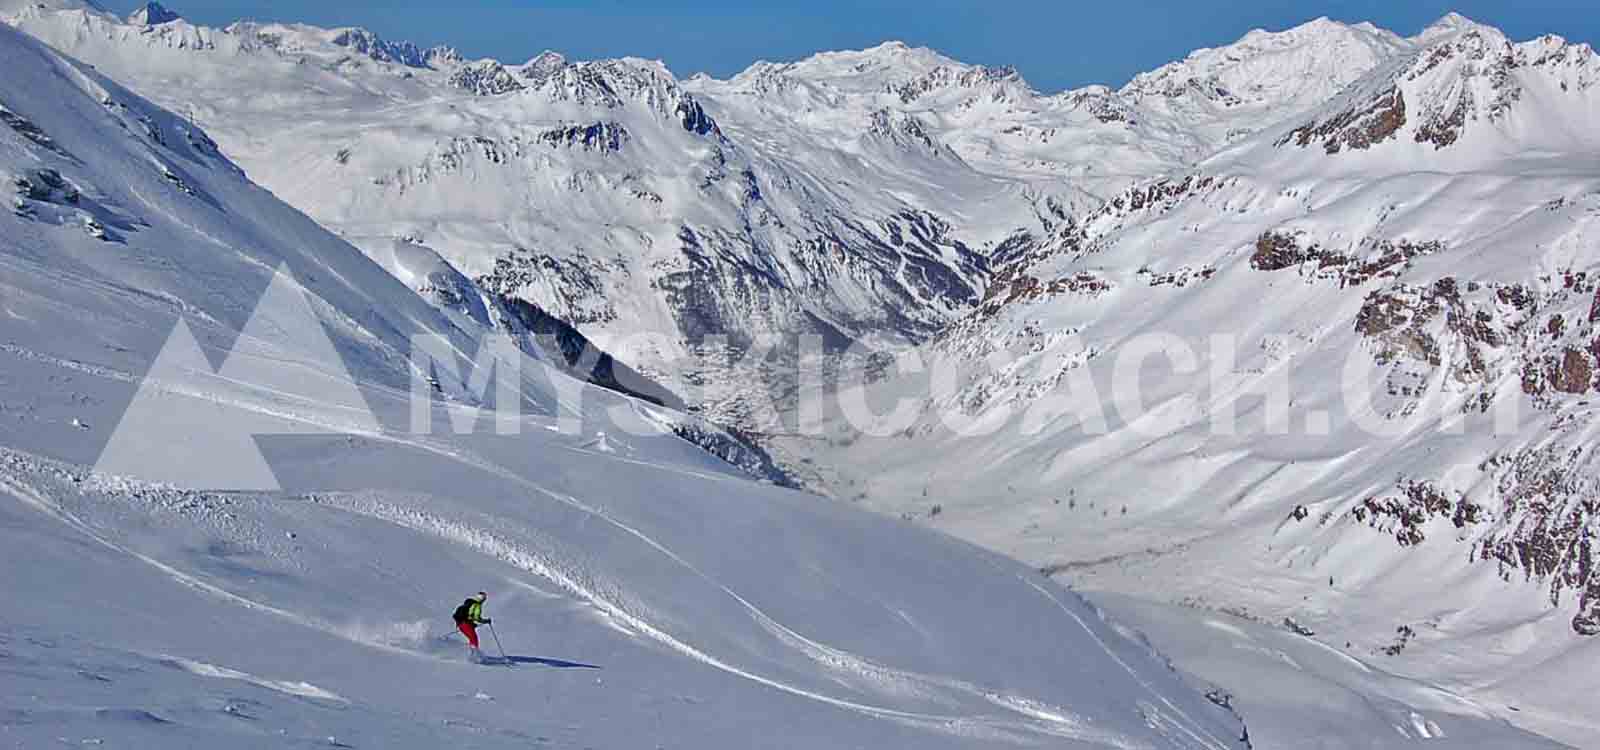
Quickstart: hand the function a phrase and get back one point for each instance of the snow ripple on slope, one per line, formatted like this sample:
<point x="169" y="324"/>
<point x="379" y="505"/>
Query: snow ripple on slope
<point x="202" y="669"/>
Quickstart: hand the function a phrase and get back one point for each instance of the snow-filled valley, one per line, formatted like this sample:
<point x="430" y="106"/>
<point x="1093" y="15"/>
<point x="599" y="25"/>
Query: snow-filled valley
<point x="1370" y="259"/>
<point x="646" y="593"/>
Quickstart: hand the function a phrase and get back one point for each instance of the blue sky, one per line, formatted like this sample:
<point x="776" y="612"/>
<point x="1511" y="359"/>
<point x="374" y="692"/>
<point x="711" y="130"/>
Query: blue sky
<point x="1056" y="45"/>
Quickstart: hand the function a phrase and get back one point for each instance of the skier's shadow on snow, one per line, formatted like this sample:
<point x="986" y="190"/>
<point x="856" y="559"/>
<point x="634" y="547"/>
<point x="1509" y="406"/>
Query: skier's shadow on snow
<point x="556" y="663"/>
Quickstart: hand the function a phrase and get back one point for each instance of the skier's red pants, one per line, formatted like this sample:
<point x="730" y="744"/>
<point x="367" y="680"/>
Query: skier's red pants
<point x="470" y="632"/>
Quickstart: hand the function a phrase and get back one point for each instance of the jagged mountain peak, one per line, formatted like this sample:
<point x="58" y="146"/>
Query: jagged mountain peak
<point x="543" y="64"/>
<point x="1451" y="23"/>
<point x="609" y="83"/>
<point x="1461" y="80"/>
<point x="152" y="14"/>
<point x="409" y="54"/>
<point x="1464" y="33"/>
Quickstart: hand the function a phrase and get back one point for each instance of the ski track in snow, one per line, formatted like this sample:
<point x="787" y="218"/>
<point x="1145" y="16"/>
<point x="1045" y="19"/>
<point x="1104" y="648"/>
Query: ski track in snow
<point x="202" y="669"/>
<point x="1188" y="726"/>
<point x="165" y="303"/>
<point x="1035" y="718"/>
<point x="37" y="500"/>
<point x="487" y="543"/>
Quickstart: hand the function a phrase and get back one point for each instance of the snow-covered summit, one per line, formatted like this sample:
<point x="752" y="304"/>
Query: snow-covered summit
<point x="1291" y="68"/>
<point x="893" y="69"/>
<point x="1451" y="24"/>
<point x="1465" y="88"/>
<point x="152" y="14"/>
<point x="13" y="7"/>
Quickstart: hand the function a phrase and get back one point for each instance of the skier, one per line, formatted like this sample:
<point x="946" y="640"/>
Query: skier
<point x="469" y="616"/>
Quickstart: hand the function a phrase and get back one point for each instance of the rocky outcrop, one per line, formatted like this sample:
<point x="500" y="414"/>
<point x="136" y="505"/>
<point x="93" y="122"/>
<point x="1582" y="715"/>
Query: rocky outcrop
<point x="1536" y="521"/>
<point x="1406" y="513"/>
<point x="486" y="78"/>
<point x="904" y="131"/>
<point x="577" y="283"/>
<point x="607" y="137"/>
<point x="1587" y="621"/>
<point x="377" y="48"/>
<point x="152" y="14"/>
<point x="736" y="448"/>
<point x="25" y="128"/>
<point x="1359" y="127"/>
<point x="945" y="76"/>
<point x="1373" y="259"/>
<point x="46" y="185"/>
<point x="693" y="117"/>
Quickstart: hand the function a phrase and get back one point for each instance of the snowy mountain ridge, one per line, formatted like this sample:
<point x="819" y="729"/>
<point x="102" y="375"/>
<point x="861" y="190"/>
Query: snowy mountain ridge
<point x="720" y="217"/>
<point x="1412" y="213"/>
<point x="830" y="245"/>
<point x="641" y="588"/>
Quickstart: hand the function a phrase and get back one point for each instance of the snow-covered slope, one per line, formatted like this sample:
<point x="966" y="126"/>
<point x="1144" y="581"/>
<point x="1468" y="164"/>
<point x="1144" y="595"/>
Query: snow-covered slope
<point x="645" y="594"/>
<point x="1415" y="213"/>
<point x="1344" y="371"/>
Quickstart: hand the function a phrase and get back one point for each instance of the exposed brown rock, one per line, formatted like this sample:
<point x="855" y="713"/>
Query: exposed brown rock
<point x="1358" y="127"/>
<point x="1381" y="314"/>
<point x="1443" y="129"/>
<point x="1417" y="502"/>
<point x="1516" y="296"/>
<point x="1139" y="197"/>
<point x="1024" y="287"/>
<point x="1396" y="320"/>
<point x="1181" y="277"/>
<point x="1587" y="621"/>
<point x="1551" y="506"/>
<point x="1543" y="525"/>
<point x="1275" y="251"/>
<point x="1574" y="375"/>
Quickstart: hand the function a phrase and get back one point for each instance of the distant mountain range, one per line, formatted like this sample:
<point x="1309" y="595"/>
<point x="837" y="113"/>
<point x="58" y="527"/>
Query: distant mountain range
<point x="1418" y="214"/>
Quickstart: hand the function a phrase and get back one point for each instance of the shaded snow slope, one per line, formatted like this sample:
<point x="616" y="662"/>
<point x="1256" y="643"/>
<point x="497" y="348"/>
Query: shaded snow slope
<point x="644" y="592"/>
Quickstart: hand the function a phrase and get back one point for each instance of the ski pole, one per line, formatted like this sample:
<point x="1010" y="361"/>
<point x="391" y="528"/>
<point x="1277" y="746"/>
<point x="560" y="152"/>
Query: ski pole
<point x="497" y="642"/>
